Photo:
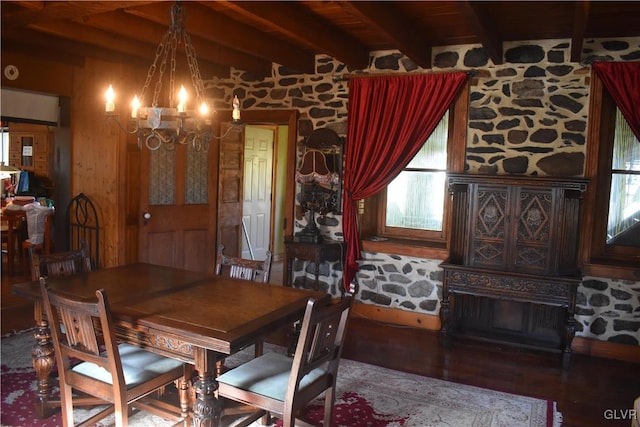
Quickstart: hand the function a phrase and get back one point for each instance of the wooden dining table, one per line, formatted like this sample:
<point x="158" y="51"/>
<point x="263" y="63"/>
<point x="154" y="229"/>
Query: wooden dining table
<point x="189" y="316"/>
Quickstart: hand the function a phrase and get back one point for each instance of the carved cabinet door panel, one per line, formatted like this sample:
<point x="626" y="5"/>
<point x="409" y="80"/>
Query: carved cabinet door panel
<point x="512" y="228"/>
<point x="489" y="226"/>
<point x="534" y="219"/>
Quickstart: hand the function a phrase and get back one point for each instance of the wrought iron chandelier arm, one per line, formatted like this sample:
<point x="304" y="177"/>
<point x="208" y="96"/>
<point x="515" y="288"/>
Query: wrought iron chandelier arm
<point x="114" y="118"/>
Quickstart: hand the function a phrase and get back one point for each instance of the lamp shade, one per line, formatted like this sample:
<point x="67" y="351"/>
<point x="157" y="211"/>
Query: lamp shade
<point x="314" y="168"/>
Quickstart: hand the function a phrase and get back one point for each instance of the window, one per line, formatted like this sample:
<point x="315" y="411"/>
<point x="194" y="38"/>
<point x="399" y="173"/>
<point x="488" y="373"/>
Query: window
<point x="412" y="216"/>
<point x="414" y="201"/>
<point x="624" y="197"/>
<point x="610" y="245"/>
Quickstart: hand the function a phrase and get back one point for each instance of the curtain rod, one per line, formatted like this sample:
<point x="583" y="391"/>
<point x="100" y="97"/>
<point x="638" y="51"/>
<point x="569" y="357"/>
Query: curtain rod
<point x="343" y="77"/>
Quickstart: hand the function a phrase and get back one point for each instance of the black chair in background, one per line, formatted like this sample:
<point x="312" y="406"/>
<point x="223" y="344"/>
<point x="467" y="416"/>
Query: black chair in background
<point x="84" y="228"/>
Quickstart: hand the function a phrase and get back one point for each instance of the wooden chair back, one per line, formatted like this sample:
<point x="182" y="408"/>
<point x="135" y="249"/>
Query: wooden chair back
<point x="80" y="330"/>
<point x="240" y="268"/>
<point x="59" y="264"/>
<point x="313" y="370"/>
<point x="83" y="331"/>
<point x="319" y="347"/>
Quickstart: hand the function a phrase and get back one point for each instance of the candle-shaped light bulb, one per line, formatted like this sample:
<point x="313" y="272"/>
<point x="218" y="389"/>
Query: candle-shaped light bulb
<point x="182" y="96"/>
<point x="235" y="115"/>
<point x="204" y="109"/>
<point x="135" y="104"/>
<point x="110" y="107"/>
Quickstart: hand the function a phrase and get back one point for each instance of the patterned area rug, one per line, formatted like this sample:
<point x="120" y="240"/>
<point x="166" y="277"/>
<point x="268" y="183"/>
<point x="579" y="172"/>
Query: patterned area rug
<point x="367" y="396"/>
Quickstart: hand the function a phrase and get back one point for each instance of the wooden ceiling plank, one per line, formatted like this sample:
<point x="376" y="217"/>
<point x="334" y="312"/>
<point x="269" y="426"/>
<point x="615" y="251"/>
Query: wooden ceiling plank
<point x="204" y="23"/>
<point x="386" y="19"/>
<point x="120" y="23"/>
<point x="580" y="18"/>
<point x="99" y="39"/>
<point x="484" y="28"/>
<point x="300" y="25"/>
<point x="47" y="11"/>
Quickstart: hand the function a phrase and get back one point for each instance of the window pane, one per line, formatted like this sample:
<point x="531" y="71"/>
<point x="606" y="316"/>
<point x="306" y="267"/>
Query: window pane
<point x="416" y="200"/>
<point x="433" y="154"/>
<point x="623" y="226"/>
<point x="626" y="148"/>
<point x="196" y="177"/>
<point x="162" y="186"/>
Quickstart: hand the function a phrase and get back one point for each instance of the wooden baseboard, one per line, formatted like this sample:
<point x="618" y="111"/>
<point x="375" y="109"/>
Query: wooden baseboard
<point x="396" y="316"/>
<point x="606" y="349"/>
<point x="586" y="346"/>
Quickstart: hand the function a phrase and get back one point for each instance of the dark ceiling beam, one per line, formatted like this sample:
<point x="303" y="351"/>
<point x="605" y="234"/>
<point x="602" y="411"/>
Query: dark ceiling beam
<point x="203" y="22"/>
<point x="120" y="24"/>
<point x="31" y="44"/>
<point x="307" y="29"/>
<point x="580" y="17"/>
<point x="46" y="11"/>
<point x="129" y="48"/>
<point x="484" y="28"/>
<point x="62" y="50"/>
<point x="385" y="18"/>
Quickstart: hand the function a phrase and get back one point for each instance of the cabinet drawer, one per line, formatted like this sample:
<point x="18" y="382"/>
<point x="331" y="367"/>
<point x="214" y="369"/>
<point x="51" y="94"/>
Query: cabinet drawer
<point x="41" y="144"/>
<point x="42" y="168"/>
<point x="41" y="156"/>
<point x="14" y="158"/>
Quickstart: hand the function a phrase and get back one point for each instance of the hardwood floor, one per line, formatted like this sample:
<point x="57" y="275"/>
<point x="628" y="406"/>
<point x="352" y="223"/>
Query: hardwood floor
<point x="592" y="392"/>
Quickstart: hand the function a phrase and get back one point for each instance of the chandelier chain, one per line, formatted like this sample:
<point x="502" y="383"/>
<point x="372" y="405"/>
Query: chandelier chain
<point x="193" y="68"/>
<point x="168" y="126"/>
<point x="172" y="71"/>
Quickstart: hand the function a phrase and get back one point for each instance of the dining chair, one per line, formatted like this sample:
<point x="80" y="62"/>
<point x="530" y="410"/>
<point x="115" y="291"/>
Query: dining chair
<point x="121" y="375"/>
<point x="240" y="268"/>
<point x="59" y="264"/>
<point x="245" y="269"/>
<point x="278" y="384"/>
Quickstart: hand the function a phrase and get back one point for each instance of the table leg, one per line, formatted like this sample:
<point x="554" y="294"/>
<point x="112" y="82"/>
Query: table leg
<point x="43" y="359"/>
<point x="288" y="274"/>
<point x="206" y="407"/>
<point x="316" y="285"/>
<point x="11" y="245"/>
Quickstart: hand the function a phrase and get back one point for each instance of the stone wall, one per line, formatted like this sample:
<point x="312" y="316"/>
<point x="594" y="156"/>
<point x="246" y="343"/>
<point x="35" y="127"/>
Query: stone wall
<point x="527" y="116"/>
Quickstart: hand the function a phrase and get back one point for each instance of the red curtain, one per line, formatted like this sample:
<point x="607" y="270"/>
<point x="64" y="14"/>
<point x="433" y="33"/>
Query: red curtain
<point x="622" y="80"/>
<point x="390" y="118"/>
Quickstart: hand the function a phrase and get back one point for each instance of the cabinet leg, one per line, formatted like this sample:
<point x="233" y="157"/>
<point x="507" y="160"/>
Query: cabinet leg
<point x="445" y="319"/>
<point x="569" y="333"/>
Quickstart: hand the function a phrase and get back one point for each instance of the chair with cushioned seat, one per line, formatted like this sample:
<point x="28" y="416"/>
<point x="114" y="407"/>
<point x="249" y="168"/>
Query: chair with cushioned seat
<point x="120" y="375"/>
<point x="240" y="268"/>
<point x="278" y="384"/>
<point x="245" y="269"/>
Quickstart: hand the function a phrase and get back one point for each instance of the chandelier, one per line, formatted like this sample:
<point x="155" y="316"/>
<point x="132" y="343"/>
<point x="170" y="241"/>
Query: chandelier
<point x="166" y="126"/>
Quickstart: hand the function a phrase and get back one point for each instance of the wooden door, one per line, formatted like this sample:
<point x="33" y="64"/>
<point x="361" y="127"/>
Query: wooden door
<point x="177" y="207"/>
<point x="230" y="189"/>
<point x="258" y="178"/>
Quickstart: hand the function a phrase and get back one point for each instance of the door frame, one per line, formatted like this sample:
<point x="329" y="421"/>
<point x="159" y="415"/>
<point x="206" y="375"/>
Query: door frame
<point x="252" y="117"/>
<point x="287" y="118"/>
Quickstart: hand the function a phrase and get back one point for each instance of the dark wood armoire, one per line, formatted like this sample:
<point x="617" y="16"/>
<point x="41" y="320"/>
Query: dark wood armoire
<point x="512" y="274"/>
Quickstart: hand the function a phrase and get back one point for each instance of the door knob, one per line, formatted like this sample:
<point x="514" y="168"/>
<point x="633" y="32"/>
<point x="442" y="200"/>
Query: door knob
<point x="146" y="216"/>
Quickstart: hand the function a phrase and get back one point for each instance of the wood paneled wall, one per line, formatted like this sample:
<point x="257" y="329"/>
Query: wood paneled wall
<point x="98" y="147"/>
